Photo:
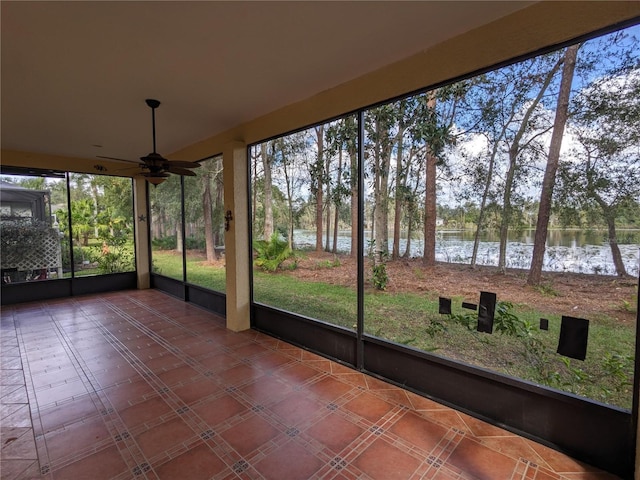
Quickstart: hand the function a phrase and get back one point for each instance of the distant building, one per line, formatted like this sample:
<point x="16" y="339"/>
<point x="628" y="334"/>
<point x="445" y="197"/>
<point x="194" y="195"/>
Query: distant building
<point x="31" y="248"/>
<point x="19" y="203"/>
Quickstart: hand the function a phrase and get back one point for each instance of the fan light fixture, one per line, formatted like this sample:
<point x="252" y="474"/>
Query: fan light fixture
<point x="156" y="176"/>
<point x="156" y="180"/>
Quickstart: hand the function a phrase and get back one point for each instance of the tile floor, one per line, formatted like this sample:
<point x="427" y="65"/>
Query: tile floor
<point x="139" y="385"/>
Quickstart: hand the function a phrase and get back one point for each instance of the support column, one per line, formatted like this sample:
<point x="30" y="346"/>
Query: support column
<point x="235" y="172"/>
<point x="143" y="255"/>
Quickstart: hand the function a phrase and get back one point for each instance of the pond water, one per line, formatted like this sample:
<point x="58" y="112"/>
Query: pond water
<point x="576" y="251"/>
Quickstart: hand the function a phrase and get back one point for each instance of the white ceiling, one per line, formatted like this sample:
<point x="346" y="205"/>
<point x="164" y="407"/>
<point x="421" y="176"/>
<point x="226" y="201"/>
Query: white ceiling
<point x="75" y="74"/>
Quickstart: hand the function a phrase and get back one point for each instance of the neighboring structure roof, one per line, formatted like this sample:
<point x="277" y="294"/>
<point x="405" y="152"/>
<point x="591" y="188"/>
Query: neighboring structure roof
<point x="10" y="192"/>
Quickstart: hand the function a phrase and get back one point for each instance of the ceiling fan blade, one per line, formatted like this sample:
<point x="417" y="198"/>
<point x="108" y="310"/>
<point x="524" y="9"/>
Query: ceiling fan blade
<point x="180" y="171"/>
<point x="182" y="164"/>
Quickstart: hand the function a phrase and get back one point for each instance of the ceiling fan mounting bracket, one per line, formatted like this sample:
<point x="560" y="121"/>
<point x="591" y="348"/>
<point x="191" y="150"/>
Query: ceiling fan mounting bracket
<point x="152" y="103"/>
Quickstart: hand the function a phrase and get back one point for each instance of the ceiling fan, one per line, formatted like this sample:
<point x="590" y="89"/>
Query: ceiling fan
<point x="156" y="168"/>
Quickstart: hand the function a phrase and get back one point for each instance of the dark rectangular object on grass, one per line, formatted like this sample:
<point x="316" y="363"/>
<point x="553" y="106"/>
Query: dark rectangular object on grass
<point x="487" y="312"/>
<point x="574" y="333"/>
<point x="445" y="306"/>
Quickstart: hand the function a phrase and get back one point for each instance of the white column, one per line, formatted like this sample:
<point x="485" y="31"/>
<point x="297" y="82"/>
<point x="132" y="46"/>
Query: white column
<point x="235" y="164"/>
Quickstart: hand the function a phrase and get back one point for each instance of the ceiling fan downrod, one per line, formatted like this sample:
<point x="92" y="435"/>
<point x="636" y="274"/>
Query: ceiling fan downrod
<point x="153" y="104"/>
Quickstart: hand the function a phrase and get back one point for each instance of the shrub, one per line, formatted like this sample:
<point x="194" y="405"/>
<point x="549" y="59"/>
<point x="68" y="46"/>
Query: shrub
<point x="165" y="243"/>
<point x="114" y="256"/>
<point x="195" y="243"/>
<point x="270" y="254"/>
<point x="23" y="235"/>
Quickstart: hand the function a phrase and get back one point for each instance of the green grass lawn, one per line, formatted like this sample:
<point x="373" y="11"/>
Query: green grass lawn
<point x="413" y="320"/>
<point x="169" y="264"/>
<point x="605" y="375"/>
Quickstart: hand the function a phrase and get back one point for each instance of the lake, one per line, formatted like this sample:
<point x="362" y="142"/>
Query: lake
<point x="576" y="251"/>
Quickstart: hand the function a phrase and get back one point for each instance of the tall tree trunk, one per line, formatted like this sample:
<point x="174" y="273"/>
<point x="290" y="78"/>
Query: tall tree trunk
<point x="327" y="173"/>
<point x="372" y="234"/>
<point x="179" y="238"/>
<point x="350" y="141"/>
<point x="319" y="186"/>
<point x="546" y="196"/>
<point x="327" y="239"/>
<point x="412" y="209"/>
<point x="430" y="211"/>
<point x="407" y="249"/>
<point x="485" y="196"/>
<point x="506" y="207"/>
<point x="319" y="219"/>
<point x="96" y="210"/>
<point x="410" y="224"/>
<point x="338" y="203"/>
<point x="382" y="158"/>
<point x="162" y="224"/>
<point x="268" y="193"/>
<point x="207" y="212"/>
<point x="289" y="202"/>
<point x="354" y="203"/>
<point x="254" y="193"/>
<point x="288" y="181"/>
<point x="613" y="244"/>
<point x="609" y="214"/>
<point x="400" y="193"/>
<point x="218" y="206"/>
<point x="514" y="152"/>
<point x="156" y="218"/>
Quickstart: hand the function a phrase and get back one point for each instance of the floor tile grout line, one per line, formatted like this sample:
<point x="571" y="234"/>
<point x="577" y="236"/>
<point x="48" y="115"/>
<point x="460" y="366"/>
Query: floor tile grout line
<point x="158" y="339"/>
<point x="445" y="449"/>
<point x="269" y="417"/>
<point x="441" y="452"/>
<point x="204" y="370"/>
<point x="117" y="431"/>
<point x="28" y="431"/>
<point x="89" y="382"/>
<point x="165" y="317"/>
<point x="41" y="451"/>
<point x="275" y="421"/>
<point x="103" y="404"/>
<point x="281" y="427"/>
<point x="158" y="386"/>
<point x="380" y="429"/>
<point x="191" y="419"/>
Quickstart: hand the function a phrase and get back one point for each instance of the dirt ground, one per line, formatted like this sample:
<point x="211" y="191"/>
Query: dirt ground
<point x="586" y="296"/>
